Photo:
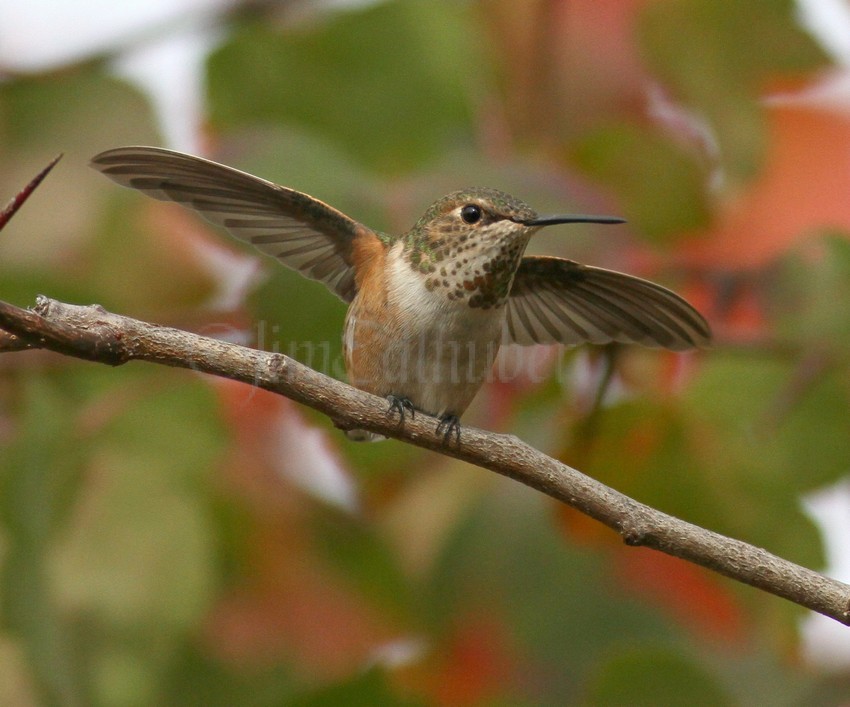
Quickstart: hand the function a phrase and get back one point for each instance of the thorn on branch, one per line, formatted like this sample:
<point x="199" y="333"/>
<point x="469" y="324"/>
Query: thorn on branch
<point x="18" y="200"/>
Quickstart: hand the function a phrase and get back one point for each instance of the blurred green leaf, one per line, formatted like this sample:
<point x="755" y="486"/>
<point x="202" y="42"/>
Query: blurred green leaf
<point x="370" y="689"/>
<point x="758" y="466"/>
<point x="135" y="269"/>
<point x="147" y="509"/>
<point x="797" y="446"/>
<point x="712" y="461"/>
<point x="300" y="318"/>
<point x="662" y="188"/>
<point x="718" y="55"/>
<point x="100" y="580"/>
<point x="811" y="435"/>
<point x="648" y="677"/>
<point x="38" y="484"/>
<point x="363" y="559"/>
<point x="645" y="448"/>
<point x="43" y="463"/>
<point x="805" y="290"/>
<point x="197" y="679"/>
<point x="541" y="587"/>
<point x="391" y="83"/>
<point x="20" y="286"/>
<point x="54" y="109"/>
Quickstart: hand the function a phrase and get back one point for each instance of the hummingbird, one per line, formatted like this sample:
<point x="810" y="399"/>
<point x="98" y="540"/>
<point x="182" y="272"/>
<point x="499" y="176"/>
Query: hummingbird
<point x="427" y="309"/>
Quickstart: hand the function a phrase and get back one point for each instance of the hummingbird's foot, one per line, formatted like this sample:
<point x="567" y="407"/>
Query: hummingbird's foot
<point x="449" y="425"/>
<point x="402" y="406"/>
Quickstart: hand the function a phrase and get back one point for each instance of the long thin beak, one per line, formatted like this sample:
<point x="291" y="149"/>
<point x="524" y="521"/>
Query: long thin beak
<point x="571" y="218"/>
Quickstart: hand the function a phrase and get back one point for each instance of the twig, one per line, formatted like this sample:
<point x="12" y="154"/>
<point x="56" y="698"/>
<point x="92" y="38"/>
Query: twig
<point x="8" y="341"/>
<point x="812" y="369"/>
<point x="94" y="334"/>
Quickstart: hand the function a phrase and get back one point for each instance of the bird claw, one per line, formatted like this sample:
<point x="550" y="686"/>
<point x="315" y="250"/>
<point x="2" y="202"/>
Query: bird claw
<point x="449" y="425"/>
<point x="402" y="406"/>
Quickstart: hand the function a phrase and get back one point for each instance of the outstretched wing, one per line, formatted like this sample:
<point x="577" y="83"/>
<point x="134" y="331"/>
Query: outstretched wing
<point x="554" y="300"/>
<point x="300" y="231"/>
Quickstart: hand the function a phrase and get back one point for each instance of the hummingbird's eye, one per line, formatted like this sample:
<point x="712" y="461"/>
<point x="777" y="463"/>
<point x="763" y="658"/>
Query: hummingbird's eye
<point x="471" y="213"/>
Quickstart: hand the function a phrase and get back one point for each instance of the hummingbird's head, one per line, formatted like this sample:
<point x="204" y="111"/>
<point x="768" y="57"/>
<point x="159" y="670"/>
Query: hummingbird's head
<point x="487" y="217"/>
<point x="470" y="242"/>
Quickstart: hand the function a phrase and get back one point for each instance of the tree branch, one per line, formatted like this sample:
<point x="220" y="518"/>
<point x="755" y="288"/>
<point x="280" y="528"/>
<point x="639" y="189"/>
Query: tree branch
<point x="94" y="334"/>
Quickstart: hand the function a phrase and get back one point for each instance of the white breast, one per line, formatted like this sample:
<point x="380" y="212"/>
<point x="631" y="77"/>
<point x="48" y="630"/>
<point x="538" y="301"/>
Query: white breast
<point x="447" y="348"/>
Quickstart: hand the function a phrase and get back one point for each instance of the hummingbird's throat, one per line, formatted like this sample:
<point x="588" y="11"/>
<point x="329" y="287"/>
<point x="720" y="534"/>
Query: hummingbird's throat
<point x="467" y="269"/>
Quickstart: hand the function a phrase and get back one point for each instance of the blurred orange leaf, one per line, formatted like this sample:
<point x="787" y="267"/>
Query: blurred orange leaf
<point x="801" y="190"/>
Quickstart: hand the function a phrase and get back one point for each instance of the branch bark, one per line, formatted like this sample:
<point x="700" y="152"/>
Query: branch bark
<point x="93" y="334"/>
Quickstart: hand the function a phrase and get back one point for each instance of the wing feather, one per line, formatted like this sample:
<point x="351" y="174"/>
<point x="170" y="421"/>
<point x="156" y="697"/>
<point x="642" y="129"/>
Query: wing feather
<point x="554" y="300"/>
<point x="300" y="231"/>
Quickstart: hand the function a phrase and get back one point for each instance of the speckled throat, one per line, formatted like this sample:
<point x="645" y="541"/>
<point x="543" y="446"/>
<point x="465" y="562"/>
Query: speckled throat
<point x="467" y="266"/>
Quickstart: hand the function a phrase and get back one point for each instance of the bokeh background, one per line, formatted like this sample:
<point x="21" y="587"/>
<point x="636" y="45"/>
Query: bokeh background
<point x="166" y="538"/>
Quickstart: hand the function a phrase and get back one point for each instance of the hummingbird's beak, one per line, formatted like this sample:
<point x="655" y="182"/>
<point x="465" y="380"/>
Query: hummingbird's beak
<point x="573" y="218"/>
